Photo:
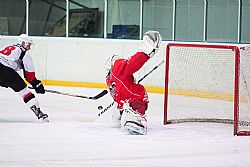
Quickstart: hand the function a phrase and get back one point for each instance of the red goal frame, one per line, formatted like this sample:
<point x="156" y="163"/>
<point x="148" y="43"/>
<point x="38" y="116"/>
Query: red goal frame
<point x="236" y="80"/>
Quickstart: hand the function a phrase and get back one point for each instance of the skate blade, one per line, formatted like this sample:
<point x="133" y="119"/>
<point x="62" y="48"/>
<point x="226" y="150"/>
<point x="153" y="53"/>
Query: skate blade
<point x="45" y="120"/>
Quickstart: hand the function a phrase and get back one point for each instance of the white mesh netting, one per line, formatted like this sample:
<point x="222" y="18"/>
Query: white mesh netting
<point x="201" y="85"/>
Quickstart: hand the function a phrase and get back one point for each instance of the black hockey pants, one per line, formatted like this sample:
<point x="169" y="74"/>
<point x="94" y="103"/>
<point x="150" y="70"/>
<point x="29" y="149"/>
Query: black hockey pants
<point x="11" y="78"/>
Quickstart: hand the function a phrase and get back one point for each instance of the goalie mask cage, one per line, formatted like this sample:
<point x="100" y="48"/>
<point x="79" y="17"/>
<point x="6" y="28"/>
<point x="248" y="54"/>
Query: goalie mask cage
<point x="207" y="83"/>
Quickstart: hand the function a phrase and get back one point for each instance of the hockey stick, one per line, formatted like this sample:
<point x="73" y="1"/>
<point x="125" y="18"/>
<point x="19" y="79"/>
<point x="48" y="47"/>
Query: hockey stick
<point x="104" y="92"/>
<point x="151" y="71"/>
<point x="110" y="105"/>
<point x="101" y="94"/>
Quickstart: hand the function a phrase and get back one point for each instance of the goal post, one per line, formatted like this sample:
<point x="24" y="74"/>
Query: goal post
<point x="207" y="83"/>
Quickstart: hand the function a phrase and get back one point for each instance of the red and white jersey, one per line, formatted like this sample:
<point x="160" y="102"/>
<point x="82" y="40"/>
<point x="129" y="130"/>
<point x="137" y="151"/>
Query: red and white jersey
<point x="17" y="58"/>
<point x="121" y="82"/>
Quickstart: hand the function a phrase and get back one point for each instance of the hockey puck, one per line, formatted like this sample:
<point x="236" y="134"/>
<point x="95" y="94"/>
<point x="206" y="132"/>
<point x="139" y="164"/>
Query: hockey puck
<point x="100" y="107"/>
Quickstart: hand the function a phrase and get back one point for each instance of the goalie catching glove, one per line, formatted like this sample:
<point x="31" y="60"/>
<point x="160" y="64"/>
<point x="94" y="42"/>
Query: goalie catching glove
<point x="151" y="43"/>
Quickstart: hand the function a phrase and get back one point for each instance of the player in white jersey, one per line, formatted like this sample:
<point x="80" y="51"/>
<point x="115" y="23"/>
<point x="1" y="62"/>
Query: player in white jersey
<point x="14" y="58"/>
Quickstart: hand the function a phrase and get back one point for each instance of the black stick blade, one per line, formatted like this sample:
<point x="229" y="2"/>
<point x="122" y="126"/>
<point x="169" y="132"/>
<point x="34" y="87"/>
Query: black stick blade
<point x="104" y="92"/>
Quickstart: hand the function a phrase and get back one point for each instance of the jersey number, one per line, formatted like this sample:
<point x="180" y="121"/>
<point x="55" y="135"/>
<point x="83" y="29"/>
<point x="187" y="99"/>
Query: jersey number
<point x="7" y="51"/>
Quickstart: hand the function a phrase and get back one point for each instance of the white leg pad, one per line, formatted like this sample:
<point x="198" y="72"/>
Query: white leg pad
<point x="132" y="122"/>
<point x="116" y="118"/>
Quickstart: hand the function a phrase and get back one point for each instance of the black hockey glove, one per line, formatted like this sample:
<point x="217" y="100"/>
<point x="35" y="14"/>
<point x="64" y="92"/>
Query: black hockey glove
<point x="38" y="86"/>
<point x="3" y="85"/>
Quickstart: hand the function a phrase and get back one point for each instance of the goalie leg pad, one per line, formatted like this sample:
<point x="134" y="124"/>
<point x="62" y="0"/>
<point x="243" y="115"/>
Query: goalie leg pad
<point x="132" y="122"/>
<point x="116" y="118"/>
<point x="135" y="128"/>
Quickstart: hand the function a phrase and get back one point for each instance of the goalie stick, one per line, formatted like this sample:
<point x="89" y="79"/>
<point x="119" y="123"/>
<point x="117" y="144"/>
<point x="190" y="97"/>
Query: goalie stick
<point x="111" y="104"/>
<point x="101" y="94"/>
<point x="151" y="71"/>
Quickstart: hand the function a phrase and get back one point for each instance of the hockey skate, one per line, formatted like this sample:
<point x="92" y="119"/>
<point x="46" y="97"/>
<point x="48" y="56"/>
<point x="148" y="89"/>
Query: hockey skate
<point x="40" y="115"/>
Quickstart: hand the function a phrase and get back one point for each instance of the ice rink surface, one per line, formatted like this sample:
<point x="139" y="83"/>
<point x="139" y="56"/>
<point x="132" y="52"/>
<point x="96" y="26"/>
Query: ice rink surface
<point x="76" y="137"/>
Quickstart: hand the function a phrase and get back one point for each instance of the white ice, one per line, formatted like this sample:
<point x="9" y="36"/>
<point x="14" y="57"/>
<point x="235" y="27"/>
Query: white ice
<point x="76" y="137"/>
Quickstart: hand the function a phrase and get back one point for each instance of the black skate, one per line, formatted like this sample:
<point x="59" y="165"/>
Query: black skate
<point x="43" y="117"/>
<point x="40" y="115"/>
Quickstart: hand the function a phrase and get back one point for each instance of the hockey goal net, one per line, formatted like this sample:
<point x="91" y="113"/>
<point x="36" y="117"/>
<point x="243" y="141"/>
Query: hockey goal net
<point x="208" y="83"/>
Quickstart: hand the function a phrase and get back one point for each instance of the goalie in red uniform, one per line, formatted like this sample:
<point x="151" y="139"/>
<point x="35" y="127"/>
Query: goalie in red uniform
<point x="131" y="98"/>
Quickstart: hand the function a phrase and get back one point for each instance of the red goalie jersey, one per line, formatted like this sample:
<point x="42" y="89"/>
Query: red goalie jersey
<point x="122" y="86"/>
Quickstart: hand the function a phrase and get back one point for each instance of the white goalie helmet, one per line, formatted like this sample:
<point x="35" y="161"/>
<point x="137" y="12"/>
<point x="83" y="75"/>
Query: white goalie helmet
<point x="110" y="62"/>
<point x="24" y="38"/>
